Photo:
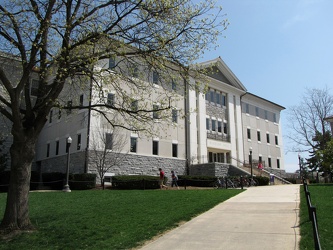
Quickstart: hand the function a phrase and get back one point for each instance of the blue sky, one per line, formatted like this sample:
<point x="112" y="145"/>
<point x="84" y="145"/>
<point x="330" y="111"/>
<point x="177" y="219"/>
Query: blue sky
<point x="277" y="49"/>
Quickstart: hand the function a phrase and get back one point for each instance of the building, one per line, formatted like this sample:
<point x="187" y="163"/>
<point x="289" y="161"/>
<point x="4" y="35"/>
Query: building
<point x="221" y="123"/>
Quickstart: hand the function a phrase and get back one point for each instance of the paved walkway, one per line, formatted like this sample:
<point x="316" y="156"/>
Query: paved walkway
<point x="259" y="218"/>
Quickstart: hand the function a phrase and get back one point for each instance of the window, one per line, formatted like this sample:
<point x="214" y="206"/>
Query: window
<point x="247" y="108"/>
<point x="108" y="140"/>
<point x="224" y="100"/>
<point x="48" y="150"/>
<point x="218" y="98"/>
<point x="112" y="62"/>
<point x="174" y="115"/>
<point x="276" y="140"/>
<point x="57" y="147"/>
<point x="213" y="125"/>
<point x="207" y="124"/>
<point x="59" y="114"/>
<point x="34" y="87"/>
<point x="278" y="163"/>
<point x="134" y="105"/>
<point x="155" y="147"/>
<point x="274" y="118"/>
<point x="270" y="162"/>
<point x="110" y="100"/>
<point x="212" y="96"/>
<point x="219" y="126"/>
<point x="257" y="111"/>
<point x="133" y="144"/>
<point x="207" y="96"/>
<point x="267" y="138"/>
<point x="156" y="112"/>
<point x="173" y="85"/>
<point x="81" y="100"/>
<point x="225" y="128"/>
<point x="155" y="77"/>
<point x="174" y="150"/>
<point x="248" y="133"/>
<point x="258" y="136"/>
<point x="78" y="145"/>
<point x="260" y="159"/>
<point x="50" y="116"/>
<point x="266" y="115"/>
<point x="69" y="106"/>
<point x="135" y="71"/>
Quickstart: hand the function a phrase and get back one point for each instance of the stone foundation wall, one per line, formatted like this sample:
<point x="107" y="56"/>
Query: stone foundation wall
<point x="209" y="169"/>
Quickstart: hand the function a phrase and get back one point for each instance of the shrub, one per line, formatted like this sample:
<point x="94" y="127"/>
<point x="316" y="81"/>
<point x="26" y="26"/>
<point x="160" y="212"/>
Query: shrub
<point x="135" y="182"/>
<point x="82" y="181"/>
<point x="261" y="180"/>
<point x="196" y="181"/>
<point x="4" y="181"/>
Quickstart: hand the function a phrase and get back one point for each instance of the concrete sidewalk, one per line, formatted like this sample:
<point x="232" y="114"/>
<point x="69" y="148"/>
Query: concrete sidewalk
<point x="264" y="217"/>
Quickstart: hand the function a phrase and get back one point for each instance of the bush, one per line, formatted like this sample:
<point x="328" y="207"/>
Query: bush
<point x="82" y="181"/>
<point x="135" y="182"/>
<point x="196" y="181"/>
<point x="261" y="180"/>
<point x="54" y="181"/>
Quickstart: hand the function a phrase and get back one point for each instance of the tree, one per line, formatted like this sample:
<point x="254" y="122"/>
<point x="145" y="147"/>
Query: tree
<point x="107" y="151"/>
<point x="309" y="130"/>
<point x="61" y="40"/>
<point x="325" y="157"/>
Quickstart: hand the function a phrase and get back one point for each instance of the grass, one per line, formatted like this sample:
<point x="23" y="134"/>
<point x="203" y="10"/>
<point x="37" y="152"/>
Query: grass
<point x="107" y="219"/>
<point x="322" y="199"/>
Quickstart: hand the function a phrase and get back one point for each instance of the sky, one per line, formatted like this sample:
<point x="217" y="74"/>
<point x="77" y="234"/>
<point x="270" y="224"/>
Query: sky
<point x="277" y="49"/>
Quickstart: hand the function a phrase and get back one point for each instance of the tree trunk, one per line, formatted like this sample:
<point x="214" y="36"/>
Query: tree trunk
<point x="16" y="215"/>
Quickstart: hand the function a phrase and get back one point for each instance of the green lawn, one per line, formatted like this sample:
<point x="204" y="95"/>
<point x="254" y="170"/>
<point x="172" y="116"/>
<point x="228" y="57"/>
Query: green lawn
<point x="322" y="199"/>
<point x="107" y="219"/>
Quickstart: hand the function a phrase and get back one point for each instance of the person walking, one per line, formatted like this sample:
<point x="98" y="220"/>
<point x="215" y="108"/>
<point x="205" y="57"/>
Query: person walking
<point x="174" y="179"/>
<point x="161" y="180"/>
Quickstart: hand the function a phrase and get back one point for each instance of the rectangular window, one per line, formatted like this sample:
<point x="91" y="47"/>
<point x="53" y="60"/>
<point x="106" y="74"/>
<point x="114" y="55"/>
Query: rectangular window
<point x="59" y="114"/>
<point x="270" y="162"/>
<point x="219" y="126"/>
<point x="257" y="111"/>
<point x="258" y="136"/>
<point x="48" y="150"/>
<point x="210" y="157"/>
<point x="134" y="105"/>
<point x="248" y="133"/>
<point x="174" y="115"/>
<point x="218" y="98"/>
<point x="207" y="124"/>
<point x="213" y="125"/>
<point x="155" y="147"/>
<point x="50" y="116"/>
<point x="69" y="106"/>
<point x="110" y="99"/>
<point x="156" y="112"/>
<point x="78" y="145"/>
<point x="225" y="128"/>
<point x="228" y="157"/>
<point x="112" y="62"/>
<point x="173" y="85"/>
<point x="34" y="87"/>
<point x="155" y="77"/>
<point x="266" y="115"/>
<point x="135" y="71"/>
<point x="274" y="118"/>
<point x="108" y="140"/>
<point x="207" y="96"/>
<point x="260" y="159"/>
<point x="276" y="140"/>
<point x="247" y="108"/>
<point x="224" y="100"/>
<point x="174" y="150"/>
<point x="133" y="144"/>
<point x="57" y="147"/>
<point x="278" y="163"/>
<point x="81" y="100"/>
<point x="212" y="96"/>
<point x="267" y="138"/>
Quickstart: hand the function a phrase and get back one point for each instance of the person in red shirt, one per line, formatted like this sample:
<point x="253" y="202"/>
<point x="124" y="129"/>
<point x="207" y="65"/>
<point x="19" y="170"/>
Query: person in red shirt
<point x="161" y="181"/>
